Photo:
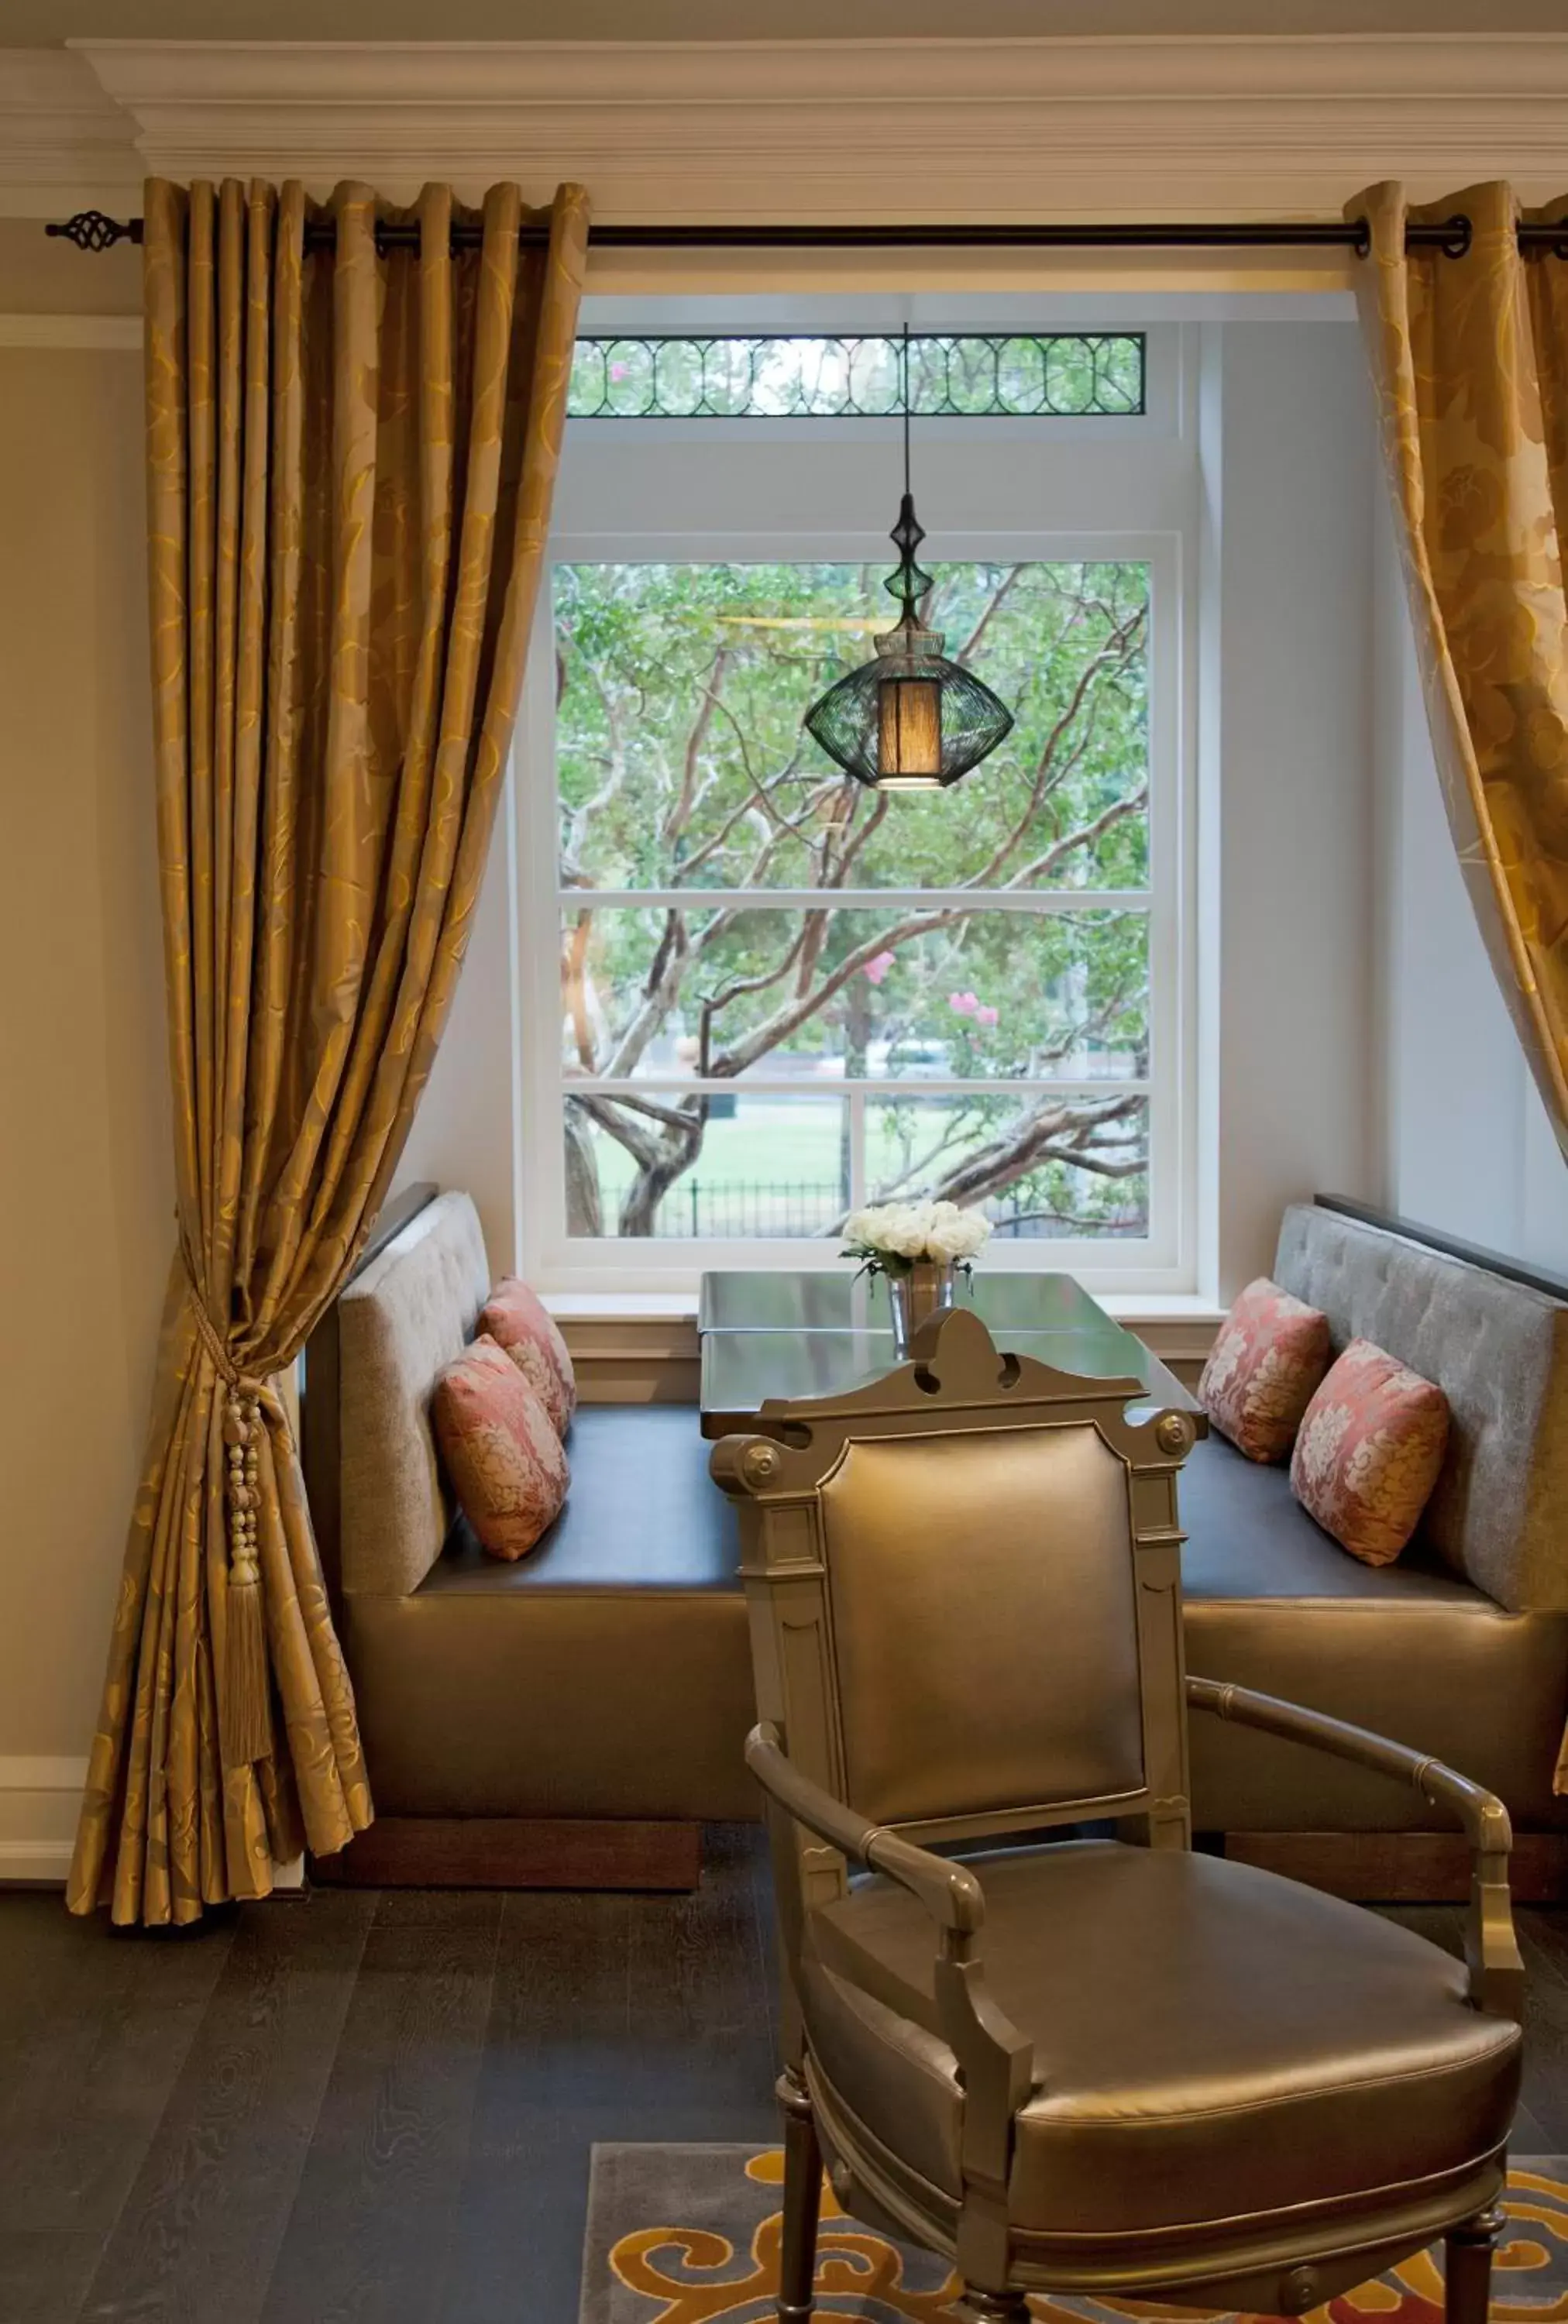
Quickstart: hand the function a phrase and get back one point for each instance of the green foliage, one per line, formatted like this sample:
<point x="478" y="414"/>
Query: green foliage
<point x="646" y="650"/>
<point x="683" y="766"/>
<point x="984" y="995"/>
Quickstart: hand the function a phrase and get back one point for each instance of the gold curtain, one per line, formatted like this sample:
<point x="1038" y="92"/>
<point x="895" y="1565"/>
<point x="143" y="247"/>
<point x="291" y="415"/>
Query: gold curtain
<point x="350" y="463"/>
<point x="1471" y="358"/>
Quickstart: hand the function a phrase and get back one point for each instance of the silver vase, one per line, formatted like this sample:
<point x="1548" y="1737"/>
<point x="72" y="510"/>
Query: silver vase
<point x="924" y="1291"/>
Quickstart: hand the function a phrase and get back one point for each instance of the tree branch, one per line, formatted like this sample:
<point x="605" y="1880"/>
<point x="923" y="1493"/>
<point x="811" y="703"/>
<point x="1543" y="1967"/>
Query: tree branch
<point x="1116" y="653"/>
<point x="1031" y="1140"/>
<point x="679" y="815"/>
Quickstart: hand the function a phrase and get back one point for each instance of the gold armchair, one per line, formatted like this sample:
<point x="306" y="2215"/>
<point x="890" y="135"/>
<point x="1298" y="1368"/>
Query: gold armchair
<point x="1121" y="2068"/>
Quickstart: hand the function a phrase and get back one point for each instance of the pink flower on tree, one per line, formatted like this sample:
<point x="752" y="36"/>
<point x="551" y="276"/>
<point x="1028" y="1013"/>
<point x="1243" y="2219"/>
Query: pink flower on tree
<point x="986" y="1016"/>
<point x="963" y="1004"/>
<point x="875" y="970"/>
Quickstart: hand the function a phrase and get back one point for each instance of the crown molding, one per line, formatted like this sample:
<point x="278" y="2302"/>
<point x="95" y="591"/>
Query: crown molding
<point x="63" y="138"/>
<point x="802" y="130"/>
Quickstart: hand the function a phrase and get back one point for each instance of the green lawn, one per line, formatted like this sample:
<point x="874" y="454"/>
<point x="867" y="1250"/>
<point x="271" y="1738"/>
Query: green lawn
<point x="790" y="1148"/>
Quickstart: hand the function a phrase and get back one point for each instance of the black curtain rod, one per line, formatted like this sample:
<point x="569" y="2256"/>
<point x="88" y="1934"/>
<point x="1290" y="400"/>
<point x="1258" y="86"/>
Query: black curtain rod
<point x="92" y="230"/>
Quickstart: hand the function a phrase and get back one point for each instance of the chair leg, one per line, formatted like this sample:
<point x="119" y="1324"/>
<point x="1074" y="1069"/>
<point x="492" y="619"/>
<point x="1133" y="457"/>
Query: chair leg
<point x="996" y="2306"/>
<point x="802" y="2202"/>
<point x="1467" y="2268"/>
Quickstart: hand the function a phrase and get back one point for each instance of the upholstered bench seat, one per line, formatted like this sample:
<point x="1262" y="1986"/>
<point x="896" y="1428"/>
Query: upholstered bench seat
<point x="1410" y="1649"/>
<point x="605" y="1675"/>
<point x="607" y="1678"/>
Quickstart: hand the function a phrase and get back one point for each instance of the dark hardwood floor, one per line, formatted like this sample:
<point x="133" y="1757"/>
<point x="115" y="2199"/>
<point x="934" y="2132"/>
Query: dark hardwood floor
<point x="379" y="2107"/>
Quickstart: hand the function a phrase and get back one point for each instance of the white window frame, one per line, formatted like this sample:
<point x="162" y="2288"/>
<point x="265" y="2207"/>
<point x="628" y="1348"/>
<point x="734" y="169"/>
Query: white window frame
<point x="1128" y="489"/>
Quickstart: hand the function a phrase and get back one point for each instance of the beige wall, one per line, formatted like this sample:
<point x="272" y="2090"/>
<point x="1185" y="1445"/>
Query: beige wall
<point x="85" y="1184"/>
<point x="1466" y="1143"/>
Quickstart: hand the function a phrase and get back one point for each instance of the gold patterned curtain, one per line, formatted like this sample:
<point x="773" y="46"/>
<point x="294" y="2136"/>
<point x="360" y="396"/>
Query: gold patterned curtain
<point x="1471" y="358"/>
<point x="351" y="455"/>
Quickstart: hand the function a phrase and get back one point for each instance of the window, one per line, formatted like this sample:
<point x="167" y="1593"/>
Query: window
<point x="780" y="995"/>
<point x="1058" y="375"/>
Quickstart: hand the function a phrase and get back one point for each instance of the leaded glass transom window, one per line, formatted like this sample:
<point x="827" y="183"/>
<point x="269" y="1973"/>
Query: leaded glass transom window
<point x="1054" y="375"/>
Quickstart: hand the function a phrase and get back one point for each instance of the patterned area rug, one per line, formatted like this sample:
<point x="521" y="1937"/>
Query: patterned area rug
<point x="689" y="2235"/>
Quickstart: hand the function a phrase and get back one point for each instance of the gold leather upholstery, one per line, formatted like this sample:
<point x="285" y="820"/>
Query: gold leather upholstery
<point x="1212" y="2044"/>
<point x="1079" y="2064"/>
<point x="1413" y="1650"/>
<point x="941" y="1555"/>
<point x="605" y="1675"/>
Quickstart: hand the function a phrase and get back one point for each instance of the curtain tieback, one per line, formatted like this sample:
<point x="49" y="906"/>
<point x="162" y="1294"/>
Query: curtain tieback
<point x="244" y="1716"/>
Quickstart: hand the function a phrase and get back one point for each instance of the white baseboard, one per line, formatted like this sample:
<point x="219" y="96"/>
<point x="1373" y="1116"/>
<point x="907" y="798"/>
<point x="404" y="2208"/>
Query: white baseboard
<point x="39" y="1803"/>
<point x="29" y="1861"/>
<point x="39" y="1800"/>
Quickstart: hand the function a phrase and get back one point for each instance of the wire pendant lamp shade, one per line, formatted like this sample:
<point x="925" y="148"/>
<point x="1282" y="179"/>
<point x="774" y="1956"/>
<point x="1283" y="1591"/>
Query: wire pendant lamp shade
<point x="911" y="720"/>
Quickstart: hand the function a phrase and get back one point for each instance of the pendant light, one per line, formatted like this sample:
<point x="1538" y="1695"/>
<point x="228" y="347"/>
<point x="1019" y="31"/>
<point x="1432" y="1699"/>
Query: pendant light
<point x="909" y="721"/>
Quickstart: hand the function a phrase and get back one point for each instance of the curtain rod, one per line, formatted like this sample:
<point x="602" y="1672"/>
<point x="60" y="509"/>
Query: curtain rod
<point x="92" y="230"/>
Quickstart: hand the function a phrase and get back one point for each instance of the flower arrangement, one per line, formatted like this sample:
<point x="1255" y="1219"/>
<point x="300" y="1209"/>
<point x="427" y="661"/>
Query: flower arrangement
<point x="894" y="1238"/>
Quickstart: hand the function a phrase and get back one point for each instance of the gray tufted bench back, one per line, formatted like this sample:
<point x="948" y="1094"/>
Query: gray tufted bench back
<point x="410" y="1311"/>
<point x="1499" y="1352"/>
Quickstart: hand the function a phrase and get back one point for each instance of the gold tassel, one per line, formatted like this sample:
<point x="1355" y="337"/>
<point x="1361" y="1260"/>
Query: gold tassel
<point x="245" y="1709"/>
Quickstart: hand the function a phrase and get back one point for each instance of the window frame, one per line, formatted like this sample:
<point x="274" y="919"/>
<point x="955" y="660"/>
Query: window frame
<point x="595" y="525"/>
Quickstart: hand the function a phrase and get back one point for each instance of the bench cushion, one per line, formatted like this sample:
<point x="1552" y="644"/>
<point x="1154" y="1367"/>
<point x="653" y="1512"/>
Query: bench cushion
<point x="1411" y="1650"/>
<point x="607" y="1674"/>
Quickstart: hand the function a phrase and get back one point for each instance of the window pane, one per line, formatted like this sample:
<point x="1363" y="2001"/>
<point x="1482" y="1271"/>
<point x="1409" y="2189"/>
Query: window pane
<point x="682" y="760"/>
<point x="900" y="994"/>
<point x="1039" y="1166"/>
<point x="1055" y="374"/>
<point x="733" y="1166"/>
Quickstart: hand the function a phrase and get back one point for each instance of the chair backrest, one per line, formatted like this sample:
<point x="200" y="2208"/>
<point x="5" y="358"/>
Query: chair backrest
<point x="964" y="1592"/>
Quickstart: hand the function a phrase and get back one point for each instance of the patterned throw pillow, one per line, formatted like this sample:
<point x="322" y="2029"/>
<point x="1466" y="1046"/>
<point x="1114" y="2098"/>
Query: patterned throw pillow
<point x="505" y="1460"/>
<point x="1368" y="1453"/>
<point x="1272" y="1351"/>
<point x="516" y="1319"/>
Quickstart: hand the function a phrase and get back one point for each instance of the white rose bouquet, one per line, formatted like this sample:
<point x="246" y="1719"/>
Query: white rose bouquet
<point x="892" y="1238"/>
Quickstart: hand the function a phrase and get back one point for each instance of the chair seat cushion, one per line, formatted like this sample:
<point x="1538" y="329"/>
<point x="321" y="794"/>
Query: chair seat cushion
<point x="1213" y="2044"/>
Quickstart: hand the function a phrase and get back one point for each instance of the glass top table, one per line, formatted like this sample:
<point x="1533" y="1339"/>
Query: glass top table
<point x="795" y="1335"/>
<point x="736" y="1300"/>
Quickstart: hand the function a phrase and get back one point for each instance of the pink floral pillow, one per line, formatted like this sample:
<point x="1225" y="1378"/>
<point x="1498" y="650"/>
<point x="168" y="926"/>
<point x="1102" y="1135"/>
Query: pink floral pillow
<point x="506" y="1463"/>
<point x="1370" y="1451"/>
<point x="1272" y="1351"/>
<point x="516" y="1319"/>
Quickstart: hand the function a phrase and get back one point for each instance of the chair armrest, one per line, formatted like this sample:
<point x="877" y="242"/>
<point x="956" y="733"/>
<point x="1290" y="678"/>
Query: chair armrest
<point x="995" y="2060"/>
<point x="949" y="1892"/>
<point x="1497" y="1971"/>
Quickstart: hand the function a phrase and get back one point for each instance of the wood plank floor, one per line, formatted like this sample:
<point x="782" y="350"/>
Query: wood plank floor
<point x="380" y="2108"/>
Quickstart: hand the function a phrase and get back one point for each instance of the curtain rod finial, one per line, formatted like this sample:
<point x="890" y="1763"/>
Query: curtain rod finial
<point x="93" y="230"/>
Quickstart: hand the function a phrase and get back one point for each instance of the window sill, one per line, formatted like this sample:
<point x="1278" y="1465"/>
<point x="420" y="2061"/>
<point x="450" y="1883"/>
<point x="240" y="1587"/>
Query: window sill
<point x="622" y="1306"/>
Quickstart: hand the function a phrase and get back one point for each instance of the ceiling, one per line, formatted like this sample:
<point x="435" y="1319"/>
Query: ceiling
<point x="41" y="24"/>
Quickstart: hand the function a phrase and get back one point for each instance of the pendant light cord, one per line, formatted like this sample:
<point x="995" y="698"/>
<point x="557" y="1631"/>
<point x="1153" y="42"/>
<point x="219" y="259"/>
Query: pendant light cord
<point x="906" y="371"/>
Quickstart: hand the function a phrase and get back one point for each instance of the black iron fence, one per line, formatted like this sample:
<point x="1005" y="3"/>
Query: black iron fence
<point x="748" y="1208"/>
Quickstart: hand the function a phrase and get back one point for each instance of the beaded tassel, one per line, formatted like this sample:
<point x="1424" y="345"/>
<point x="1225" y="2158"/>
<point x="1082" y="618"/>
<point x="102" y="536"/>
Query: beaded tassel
<point x="246" y="1723"/>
